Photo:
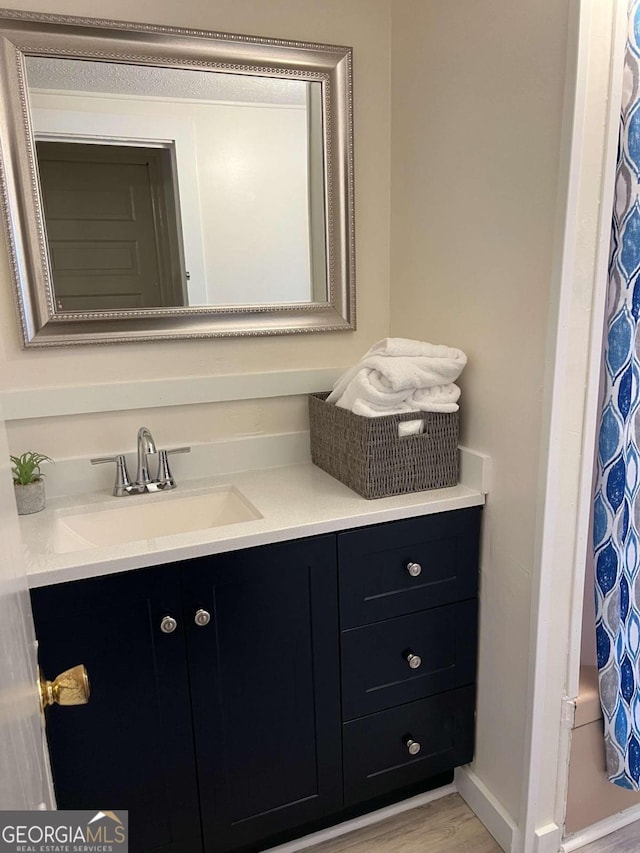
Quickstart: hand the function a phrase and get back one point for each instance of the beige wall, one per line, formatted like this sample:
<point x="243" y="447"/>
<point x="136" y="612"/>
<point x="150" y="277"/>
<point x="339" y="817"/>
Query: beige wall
<point x="363" y="24"/>
<point x="477" y="94"/>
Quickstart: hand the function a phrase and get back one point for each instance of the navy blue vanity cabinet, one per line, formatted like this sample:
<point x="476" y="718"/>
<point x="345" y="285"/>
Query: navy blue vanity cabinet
<point x="265" y="687"/>
<point x="131" y="746"/>
<point x="243" y="699"/>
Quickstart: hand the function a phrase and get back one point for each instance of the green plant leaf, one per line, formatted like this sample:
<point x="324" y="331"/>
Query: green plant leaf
<point x="26" y="468"/>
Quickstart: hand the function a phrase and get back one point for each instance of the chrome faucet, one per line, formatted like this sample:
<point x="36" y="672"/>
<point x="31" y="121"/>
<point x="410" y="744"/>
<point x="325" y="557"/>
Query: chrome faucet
<point x="163" y="481"/>
<point x="146" y="446"/>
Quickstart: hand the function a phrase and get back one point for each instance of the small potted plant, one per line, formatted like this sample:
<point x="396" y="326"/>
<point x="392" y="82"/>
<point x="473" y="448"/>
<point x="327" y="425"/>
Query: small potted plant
<point x="28" y="482"/>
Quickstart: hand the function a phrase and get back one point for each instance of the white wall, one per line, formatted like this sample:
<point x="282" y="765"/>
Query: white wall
<point x="256" y="218"/>
<point x="477" y="95"/>
<point x="364" y="24"/>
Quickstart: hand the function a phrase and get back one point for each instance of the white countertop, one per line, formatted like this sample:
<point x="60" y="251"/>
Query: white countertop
<point x="294" y="500"/>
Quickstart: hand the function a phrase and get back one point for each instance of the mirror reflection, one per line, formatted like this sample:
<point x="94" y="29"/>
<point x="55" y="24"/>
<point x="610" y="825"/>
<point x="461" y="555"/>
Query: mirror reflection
<point x="170" y="187"/>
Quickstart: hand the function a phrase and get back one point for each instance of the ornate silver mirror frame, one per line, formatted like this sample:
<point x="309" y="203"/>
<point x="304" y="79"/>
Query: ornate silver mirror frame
<point x="25" y="34"/>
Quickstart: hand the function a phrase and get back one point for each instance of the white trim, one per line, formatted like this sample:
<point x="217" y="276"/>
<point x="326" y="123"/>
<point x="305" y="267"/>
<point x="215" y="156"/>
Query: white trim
<point x="553" y="515"/>
<point x="584" y="496"/>
<point x="364" y="821"/>
<point x="22" y="404"/>
<point x="601" y="829"/>
<point x="547" y="839"/>
<point x="598" y="306"/>
<point x="486" y="807"/>
<point x="548" y="502"/>
<point x="546" y="732"/>
<point x="475" y="470"/>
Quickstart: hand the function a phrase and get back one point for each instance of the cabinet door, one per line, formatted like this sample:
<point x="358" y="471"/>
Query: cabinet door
<point x="265" y="689"/>
<point x="131" y="747"/>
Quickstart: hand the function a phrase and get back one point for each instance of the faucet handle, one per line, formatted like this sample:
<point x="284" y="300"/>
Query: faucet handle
<point x="165" y="478"/>
<point x="122" y="475"/>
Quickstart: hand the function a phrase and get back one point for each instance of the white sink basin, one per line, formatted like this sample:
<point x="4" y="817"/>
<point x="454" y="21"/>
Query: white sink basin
<point x="148" y="517"/>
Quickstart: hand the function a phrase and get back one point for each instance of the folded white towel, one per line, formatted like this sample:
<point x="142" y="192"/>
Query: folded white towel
<point x="439" y="395"/>
<point x="369" y="409"/>
<point x="363" y="407"/>
<point x="408" y="347"/>
<point x="367" y="395"/>
<point x="429" y="365"/>
<point x="399" y="375"/>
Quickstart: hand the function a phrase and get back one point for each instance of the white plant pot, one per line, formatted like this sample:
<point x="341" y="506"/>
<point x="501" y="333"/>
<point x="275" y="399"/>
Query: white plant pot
<point x="30" y="498"/>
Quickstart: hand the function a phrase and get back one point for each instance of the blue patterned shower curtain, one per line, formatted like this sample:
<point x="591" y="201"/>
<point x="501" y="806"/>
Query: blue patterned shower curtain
<point x="616" y="530"/>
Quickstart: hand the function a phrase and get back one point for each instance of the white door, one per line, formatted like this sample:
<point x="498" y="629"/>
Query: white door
<point x="25" y="781"/>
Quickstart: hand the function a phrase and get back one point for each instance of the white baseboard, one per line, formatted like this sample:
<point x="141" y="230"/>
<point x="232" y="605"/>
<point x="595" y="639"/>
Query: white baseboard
<point x="548" y="839"/>
<point x="600" y="829"/>
<point x="486" y="807"/>
<point x="364" y="821"/>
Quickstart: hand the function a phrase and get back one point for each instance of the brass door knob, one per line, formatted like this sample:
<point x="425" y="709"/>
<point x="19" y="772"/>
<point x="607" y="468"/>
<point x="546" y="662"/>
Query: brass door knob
<point x="69" y="688"/>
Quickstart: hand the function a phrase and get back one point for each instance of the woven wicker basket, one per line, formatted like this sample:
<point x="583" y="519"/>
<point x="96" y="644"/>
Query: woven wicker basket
<point x="367" y="454"/>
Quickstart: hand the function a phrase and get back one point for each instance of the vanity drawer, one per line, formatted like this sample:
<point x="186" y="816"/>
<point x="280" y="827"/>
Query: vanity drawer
<point x="377" y="672"/>
<point x="376" y="748"/>
<point x="377" y="581"/>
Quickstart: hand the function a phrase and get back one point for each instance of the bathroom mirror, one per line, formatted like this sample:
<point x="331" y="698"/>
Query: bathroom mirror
<point x="163" y="183"/>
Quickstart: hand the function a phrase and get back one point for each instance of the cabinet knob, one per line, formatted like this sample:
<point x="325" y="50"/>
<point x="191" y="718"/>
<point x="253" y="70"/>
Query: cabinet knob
<point x="202" y="617"/>
<point x="168" y="625"/>
<point x="414" y="661"/>
<point x="414" y="569"/>
<point x="413" y="747"/>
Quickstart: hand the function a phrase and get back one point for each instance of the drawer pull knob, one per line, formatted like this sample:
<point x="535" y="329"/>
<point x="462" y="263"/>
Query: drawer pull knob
<point x="414" y="569"/>
<point x="202" y="617"/>
<point x="413" y="747"/>
<point x="168" y="625"/>
<point x="414" y="661"/>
